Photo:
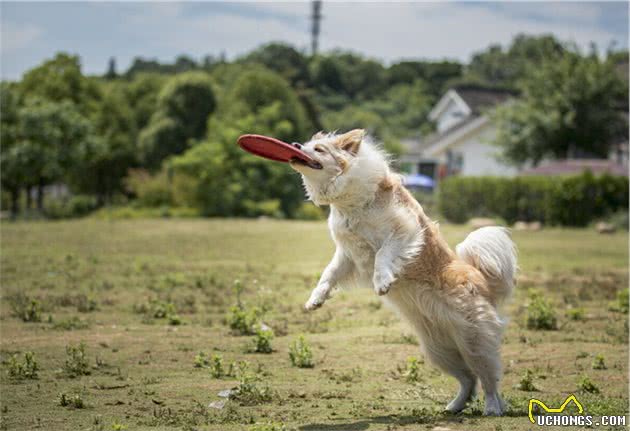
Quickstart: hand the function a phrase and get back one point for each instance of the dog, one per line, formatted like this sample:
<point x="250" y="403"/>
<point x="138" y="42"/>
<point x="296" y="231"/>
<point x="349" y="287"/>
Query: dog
<point x="385" y="240"/>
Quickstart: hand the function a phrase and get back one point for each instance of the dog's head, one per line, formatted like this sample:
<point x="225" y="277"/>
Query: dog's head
<point x="347" y="164"/>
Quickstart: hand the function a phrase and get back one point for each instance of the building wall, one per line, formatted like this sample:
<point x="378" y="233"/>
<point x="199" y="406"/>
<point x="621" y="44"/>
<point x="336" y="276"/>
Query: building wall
<point x="479" y="155"/>
<point x="451" y="116"/>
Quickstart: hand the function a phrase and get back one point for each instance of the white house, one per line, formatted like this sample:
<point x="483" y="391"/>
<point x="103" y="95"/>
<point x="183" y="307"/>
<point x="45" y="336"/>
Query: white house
<point x="462" y="142"/>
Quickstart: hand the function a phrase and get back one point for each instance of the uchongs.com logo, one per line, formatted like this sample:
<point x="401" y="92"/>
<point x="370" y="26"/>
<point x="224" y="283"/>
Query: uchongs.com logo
<point x="558" y="419"/>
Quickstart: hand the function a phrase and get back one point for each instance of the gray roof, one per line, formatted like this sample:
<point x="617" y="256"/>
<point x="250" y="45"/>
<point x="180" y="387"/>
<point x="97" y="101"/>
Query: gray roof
<point x="479" y="99"/>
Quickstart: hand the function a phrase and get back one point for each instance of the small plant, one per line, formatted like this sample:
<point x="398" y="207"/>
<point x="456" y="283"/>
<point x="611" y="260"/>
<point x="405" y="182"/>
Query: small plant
<point x="540" y="313"/>
<point x="23" y="370"/>
<point x="262" y="341"/>
<point x="586" y="385"/>
<point x="576" y="314"/>
<point x="216" y="367"/>
<point x="623" y="296"/>
<point x="85" y="304"/>
<point x="598" y="362"/>
<point x="118" y="427"/>
<point x="156" y="309"/>
<point x="300" y="354"/>
<point x="527" y="382"/>
<point x="201" y="360"/>
<point x="412" y="372"/>
<point x="243" y="321"/>
<point x="25" y="308"/>
<point x="268" y="427"/>
<point x="251" y="391"/>
<point x="76" y="361"/>
<point x="73" y="401"/>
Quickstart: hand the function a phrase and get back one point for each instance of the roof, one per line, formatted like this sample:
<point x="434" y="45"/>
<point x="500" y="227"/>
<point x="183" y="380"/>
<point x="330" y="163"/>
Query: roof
<point x="577" y="166"/>
<point x="479" y="98"/>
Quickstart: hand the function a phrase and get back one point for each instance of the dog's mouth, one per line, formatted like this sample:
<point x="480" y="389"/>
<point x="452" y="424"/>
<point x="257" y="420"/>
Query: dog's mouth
<point x="313" y="164"/>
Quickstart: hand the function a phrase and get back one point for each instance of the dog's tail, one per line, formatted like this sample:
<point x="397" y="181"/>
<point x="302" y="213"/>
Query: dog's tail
<point x="492" y="251"/>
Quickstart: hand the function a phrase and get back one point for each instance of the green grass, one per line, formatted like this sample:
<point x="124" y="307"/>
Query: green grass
<point x="160" y="292"/>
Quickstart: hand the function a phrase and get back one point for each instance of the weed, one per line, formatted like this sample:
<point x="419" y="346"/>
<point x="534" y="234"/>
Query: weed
<point x="621" y="305"/>
<point x="76" y="361"/>
<point x="71" y="323"/>
<point x="586" y="385"/>
<point x="201" y="360"/>
<point x="598" y="362"/>
<point x="262" y="341"/>
<point x="581" y="355"/>
<point x="25" y="308"/>
<point x="216" y="367"/>
<point x="243" y="321"/>
<point x="268" y="427"/>
<point x="576" y="314"/>
<point x="527" y="382"/>
<point x="118" y="427"/>
<point x="23" y="370"/>
<point x="540" y="313"/>
<point x="156" y="309"/>
<point x="300" y="354"/>
<point x="73" y="401"/>
<point x="412" y="372"/>
<point x="85" y="304"/>
<point x="251" y="391"/>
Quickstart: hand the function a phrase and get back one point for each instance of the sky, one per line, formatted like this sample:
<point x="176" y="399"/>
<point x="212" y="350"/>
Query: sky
<point x="31" y="32"/>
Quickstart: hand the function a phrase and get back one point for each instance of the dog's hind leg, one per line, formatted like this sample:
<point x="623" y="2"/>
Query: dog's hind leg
<point x="449" y="360"/>
<point x="479" y="345"/>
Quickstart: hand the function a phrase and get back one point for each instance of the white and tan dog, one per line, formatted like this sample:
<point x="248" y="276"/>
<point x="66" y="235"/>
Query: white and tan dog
<point x="385" y="240"/>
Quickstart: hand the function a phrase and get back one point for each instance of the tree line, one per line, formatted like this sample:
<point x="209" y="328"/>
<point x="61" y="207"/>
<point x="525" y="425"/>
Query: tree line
<point x="164" y="134"/>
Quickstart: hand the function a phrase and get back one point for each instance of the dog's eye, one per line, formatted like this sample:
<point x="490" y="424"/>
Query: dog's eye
<point x="318" y="150"/>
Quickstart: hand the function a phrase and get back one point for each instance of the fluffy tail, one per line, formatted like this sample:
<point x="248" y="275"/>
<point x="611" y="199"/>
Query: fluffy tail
<point x="492" y="251"/>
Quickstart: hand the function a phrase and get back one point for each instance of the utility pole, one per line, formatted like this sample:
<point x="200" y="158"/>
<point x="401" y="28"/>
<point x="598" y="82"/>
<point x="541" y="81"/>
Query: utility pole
<point x="315" y="20"/>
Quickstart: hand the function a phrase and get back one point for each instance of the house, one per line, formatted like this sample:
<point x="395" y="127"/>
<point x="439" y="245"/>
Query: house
<point x="462" y="143"/>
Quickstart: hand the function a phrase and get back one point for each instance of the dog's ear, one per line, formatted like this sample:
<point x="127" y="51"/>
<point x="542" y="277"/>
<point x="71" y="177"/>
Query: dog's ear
<point x="351" y="141"/>
<point x="319" y="135"/>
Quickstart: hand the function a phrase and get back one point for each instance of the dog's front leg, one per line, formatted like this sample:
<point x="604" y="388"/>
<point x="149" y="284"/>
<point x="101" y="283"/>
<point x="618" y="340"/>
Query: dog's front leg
<point x="338" y="268"/>
<point x="384" y="268"/>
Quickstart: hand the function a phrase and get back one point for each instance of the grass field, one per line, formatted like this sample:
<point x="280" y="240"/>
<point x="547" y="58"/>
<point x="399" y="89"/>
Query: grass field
<point x="146" y="297"/>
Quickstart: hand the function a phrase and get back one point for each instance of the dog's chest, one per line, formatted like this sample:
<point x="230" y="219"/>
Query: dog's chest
<point x="359" y="240"/>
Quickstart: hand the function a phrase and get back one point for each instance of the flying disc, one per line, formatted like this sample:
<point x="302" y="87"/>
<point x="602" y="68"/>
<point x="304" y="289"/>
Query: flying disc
<point x="275" y="149"/>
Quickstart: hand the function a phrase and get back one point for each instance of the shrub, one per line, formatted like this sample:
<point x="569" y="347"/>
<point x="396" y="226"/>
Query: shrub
<point x="575" y="314"/>
<point x="76" y="361"/>
<point x="23" y="370"/>
<point x="308" y="211"/>
<point x="569" y="201"/>
<point x="262" y="341"/>
<point x="70" y="207"/>
<point x="623" y="296"/>
<point x="25" y="308"/>
<point x="251" y="391"/>
<point x="300" y="354"/>
<point x="540" y="313"/>
<point x="586" y="385"/>
<point x="216" y="367"/>
<point x="201" y="360"/>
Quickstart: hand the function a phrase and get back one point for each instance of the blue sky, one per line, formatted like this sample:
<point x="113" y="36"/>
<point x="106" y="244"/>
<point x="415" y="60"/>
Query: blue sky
<point x="32" y="32"/>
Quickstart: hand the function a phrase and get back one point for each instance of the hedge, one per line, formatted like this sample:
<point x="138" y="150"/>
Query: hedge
<point x="567" y="201"/>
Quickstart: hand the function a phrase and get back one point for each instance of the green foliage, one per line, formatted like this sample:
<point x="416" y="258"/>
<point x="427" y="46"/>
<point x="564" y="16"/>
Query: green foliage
<point x="569" y="107"/>
<point x="25" y="308"/>
<point x="540" y="313"/>
<point x="585" y="384"/>
<point x="70" y="207"/>
<point x="76" y="363"/>
<point x="71" y="324"/>
<point x="22" y="370"/>
<point x="412" y="372"/>
<point x="201" y="360"/>
<point x="301" y="354"/>
<point x="568" y="201"/>
<point x="598" y="362"/>
<point x="576" y="314"/>
<point x="622" y="300"/>
<point x="251" y="390"/>
<point x="262" y="340"/>
<point x="243" y="321"/>
<point x="73" y="401"/>
<point x="216" y="367"/>
<point x="527" y="382"/>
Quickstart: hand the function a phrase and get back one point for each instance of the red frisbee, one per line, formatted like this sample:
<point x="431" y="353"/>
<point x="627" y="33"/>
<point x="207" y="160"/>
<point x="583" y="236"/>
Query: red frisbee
<point x="275" y="149"/>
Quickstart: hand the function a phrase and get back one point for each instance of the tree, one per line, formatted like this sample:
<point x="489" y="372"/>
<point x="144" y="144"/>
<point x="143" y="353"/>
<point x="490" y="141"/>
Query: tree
<point x="570" y="107"/>
<point x="184" y="105"/>
<point x="12" y="162"/>
<point x="111" y="69"/>
<point x="284" y="60"/>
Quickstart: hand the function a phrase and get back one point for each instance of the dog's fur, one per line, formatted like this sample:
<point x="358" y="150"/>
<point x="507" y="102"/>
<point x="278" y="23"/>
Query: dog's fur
<point x="385" y="240"/>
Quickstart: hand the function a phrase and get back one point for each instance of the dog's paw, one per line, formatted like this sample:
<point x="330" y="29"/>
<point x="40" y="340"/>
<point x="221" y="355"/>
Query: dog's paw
<point x="313" y="304"/>
<point x="383" y="282"/>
